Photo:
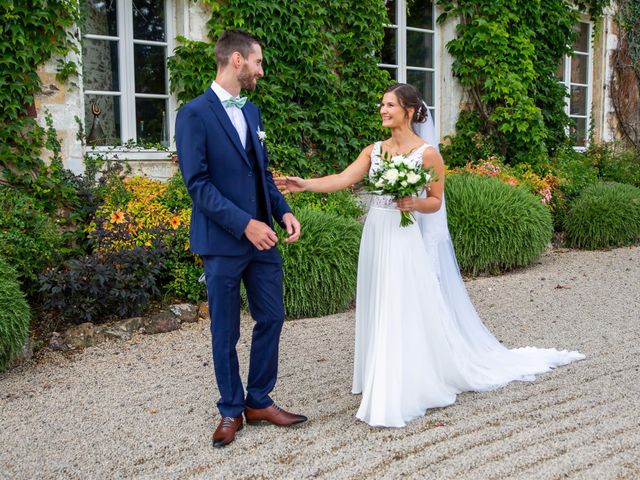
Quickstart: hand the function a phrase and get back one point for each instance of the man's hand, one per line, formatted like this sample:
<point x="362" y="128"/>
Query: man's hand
<point x="259" y="233"/>
<point x="293" y="227"/>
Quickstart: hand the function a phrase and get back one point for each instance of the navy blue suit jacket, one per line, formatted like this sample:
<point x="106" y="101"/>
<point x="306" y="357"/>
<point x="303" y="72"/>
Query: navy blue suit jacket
<point x="220" y="177"/>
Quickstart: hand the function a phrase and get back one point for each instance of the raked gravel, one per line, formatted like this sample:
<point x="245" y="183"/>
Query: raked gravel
<point x="146" y="409"/>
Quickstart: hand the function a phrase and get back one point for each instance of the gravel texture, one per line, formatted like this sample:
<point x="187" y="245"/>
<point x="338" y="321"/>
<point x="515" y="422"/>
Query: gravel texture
<point x="146" y="408"/>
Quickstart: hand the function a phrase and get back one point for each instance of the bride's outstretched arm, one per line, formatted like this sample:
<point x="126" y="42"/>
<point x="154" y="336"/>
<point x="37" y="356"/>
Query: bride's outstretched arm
<point x="430" y="159"/>
<point x="331" y="183"/>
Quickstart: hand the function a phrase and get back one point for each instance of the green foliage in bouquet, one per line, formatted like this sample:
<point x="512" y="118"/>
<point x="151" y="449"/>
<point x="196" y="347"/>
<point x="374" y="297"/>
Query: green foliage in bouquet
<point x="28" y="237"/>
<point x="14" y="315"/>
<point x="320" y="268"/>
<point x="495" y="227"/>
<point x="607" y="214"/>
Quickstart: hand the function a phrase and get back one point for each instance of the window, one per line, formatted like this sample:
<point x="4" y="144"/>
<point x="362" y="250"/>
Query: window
<point x="575" y="73"/>
<point x="125" y="77"/>
<point x="408" y="51"/>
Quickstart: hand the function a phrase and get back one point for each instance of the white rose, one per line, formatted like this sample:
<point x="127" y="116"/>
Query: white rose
<point x="407" y="162"/>
<point x="379" y="183"/>
<point x="413" y="178"/>
<point x="397" y="160"/>
<point x="391" y="175"/>
<point x="404" y="183"/>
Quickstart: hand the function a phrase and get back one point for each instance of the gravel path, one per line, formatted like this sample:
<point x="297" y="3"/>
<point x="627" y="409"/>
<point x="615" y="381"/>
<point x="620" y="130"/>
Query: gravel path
<point x="146" y="409"/>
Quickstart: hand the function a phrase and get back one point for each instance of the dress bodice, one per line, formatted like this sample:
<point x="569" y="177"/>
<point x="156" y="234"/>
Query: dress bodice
<point x="387" y="201"/>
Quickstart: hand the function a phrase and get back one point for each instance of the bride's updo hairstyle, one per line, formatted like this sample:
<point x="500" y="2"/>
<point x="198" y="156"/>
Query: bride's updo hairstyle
<point x="408" y="97"/>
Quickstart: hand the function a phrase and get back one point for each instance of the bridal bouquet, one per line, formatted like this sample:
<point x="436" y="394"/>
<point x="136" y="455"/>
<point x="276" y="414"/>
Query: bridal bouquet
<point x="399" y="177"/>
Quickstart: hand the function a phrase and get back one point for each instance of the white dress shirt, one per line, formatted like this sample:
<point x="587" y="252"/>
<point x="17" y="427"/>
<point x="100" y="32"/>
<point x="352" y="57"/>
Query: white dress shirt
<point x="235" y="114"/>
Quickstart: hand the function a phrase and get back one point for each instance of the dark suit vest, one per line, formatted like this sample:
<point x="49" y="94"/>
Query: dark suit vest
<point x="261" y="209"/>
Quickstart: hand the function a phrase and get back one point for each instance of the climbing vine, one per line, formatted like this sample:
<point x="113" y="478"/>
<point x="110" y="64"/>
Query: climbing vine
<point x="322" y="82"/>
<point x="32" y="33"/>
<point x="506" y="55"/>
<point x="625" y="84"/>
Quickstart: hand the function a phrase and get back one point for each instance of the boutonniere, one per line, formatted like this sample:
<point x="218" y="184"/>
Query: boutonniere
<point x="262" y="136"/>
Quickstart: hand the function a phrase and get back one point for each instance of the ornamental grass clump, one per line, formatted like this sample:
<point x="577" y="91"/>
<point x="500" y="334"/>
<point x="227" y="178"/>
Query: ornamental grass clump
<point x="320" y="268"/>
<point x="495" y="227"/>
<point x="14" y="316"/>
<point x="607" y="214"/>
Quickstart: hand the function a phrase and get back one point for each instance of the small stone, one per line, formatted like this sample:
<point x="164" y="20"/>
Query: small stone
<point x="203" y="311"/>
<point x="80" y="336"/>
<point x="185" y="312"/>
<point x="161" y="323"/>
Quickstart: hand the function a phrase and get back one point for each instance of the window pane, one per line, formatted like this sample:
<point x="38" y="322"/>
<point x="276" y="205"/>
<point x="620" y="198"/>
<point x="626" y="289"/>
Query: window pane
<point x="582" y="42"/>
<point x="419" y="49"/>
<point x="420" y="14"/>
<point x="102" y="119"/>
<point x="560" y="71"/>
<point x="389" y="55"/>
<point x="148" y="20"/>
<point x="578" y="101"/>
<point x="579" y="66"/>
<point x="579" y="133"/>
<point x="100" y="17"/>
<point x="432" y="111"/>
<point x="100" y="65"/>
<point x="150" y="68"/>
<point x="423" y="81"/>
<point x="151" y="120"/>
<point x="391" y="11"/>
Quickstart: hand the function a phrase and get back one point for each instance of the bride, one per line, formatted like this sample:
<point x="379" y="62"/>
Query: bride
<point x="418" y="340"/>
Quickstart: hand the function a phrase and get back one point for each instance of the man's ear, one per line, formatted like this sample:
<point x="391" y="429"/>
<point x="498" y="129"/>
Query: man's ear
<point x="236" y="59"/>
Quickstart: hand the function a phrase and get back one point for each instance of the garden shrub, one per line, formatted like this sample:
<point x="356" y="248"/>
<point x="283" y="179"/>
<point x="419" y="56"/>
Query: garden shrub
<point x="29" y="239"/>
<point x="615" y="163"/>
<point x="14" y="315"/>
<point x="320" y="268"/>
<point x="495" y="227"/>
<point x="343" y="203"/>
<point x="606" y="214"/>
<point x="114" y="282"/>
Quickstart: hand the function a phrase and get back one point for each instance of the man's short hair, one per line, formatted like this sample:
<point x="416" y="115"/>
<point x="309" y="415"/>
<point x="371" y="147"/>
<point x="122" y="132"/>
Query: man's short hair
<point x="234" y="41"/>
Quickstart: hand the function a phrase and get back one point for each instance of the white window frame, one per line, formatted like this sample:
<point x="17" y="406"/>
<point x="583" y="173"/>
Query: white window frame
<point x="566" y="81"/>
<point x="401" y="68"/>
<point x="127" y="94"/>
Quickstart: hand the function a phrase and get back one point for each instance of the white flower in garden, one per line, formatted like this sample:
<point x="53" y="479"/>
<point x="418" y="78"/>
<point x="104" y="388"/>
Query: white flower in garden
<point x="413" y="177"/>
<point x="391" y="175"/>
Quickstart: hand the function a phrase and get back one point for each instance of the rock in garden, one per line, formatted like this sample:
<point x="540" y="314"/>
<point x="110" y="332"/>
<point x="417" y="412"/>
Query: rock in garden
<point x="81" y="336"/>
<point x="56" y="342"/>
<point x="161" y="323"/>
<point x="203" y="311"/>
<point x="185" y="312"/>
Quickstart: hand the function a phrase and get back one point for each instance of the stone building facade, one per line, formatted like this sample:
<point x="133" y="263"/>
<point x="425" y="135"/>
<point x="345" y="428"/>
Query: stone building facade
<point x="123" y="104"/>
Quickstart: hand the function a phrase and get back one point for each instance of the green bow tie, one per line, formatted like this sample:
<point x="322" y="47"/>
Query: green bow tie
<point x="235" y="102"/>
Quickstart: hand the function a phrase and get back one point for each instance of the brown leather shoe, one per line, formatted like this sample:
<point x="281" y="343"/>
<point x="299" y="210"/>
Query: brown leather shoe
<point x="226" y="431"/>
<point x="273" y="414"/>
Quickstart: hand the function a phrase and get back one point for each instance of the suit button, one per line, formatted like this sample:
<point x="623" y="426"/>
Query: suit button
<point x="253" y="200"/>
<point x="251" y="174"/>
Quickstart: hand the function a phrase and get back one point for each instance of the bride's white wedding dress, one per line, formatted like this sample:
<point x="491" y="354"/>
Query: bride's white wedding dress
<point x="419" y="340"/>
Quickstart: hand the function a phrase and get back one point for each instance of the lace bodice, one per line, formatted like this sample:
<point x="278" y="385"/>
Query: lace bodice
<point x="386" y="201"/>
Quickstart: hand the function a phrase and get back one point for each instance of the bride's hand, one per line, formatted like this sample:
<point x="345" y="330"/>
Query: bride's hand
<point x="290" y="184"/>
<point x="407" y="204"/>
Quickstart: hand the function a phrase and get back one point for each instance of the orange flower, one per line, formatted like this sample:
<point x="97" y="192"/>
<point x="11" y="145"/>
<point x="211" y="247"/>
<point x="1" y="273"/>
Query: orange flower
<point x="117" y="217"/>
<point x="175" y="222"/>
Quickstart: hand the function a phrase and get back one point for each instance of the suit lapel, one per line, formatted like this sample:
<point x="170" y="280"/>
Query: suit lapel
<point x="221" y="114"/>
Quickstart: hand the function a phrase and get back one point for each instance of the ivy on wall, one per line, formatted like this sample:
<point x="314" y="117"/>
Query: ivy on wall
<point x="31" y="33"/>
<point x="321" y="84"/>
<point x="506" y="56"/>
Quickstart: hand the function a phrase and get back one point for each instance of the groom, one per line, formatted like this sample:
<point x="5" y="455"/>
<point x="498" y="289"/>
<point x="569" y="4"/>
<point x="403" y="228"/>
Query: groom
<point x="223" y="160"/>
